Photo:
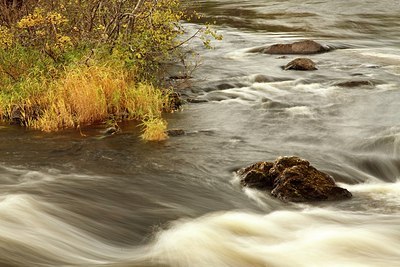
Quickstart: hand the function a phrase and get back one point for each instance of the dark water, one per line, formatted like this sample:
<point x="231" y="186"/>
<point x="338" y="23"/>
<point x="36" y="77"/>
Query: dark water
<point x="68" y="200"/>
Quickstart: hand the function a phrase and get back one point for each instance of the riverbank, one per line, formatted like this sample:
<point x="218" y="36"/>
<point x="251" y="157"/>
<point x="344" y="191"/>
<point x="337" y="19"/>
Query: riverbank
<point x="67" y="66"/>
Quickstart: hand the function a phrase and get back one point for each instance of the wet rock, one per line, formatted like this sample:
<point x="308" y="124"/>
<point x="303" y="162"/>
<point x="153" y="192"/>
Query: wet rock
<point x="305" y="183"/>
<point x="292" y="179"/>
<point x="196" y="100"/>
<point x="283" y="163"/>
<point x="224" y="86"/>
<point x="301" y="64"/>
<point x="301" y="47"/>
<point x="175" y="132"/>
<point x="260" y="78"/>
<point x="257" y="175"/>
<point x="273" y="105"/>
<point x="355" y="83"/>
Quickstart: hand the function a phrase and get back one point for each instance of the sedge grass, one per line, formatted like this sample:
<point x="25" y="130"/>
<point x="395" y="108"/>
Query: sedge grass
<point x="86" y="95"/>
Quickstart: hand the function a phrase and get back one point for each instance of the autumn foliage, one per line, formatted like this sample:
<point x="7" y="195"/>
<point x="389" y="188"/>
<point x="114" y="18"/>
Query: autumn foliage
<point x="68" y="63"/>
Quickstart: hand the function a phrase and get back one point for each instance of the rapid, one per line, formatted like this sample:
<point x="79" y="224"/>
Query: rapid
<point x="69" y="200"/>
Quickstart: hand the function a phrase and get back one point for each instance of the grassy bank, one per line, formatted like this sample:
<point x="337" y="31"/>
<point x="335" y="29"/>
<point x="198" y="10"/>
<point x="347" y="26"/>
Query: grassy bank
<point x="66" y="64"/>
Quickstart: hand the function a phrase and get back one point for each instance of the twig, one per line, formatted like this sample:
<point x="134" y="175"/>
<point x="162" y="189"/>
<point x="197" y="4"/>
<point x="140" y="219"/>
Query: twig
<point x="185" y="41"/>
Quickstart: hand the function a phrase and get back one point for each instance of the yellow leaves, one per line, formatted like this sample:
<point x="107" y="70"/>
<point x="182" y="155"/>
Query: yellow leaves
<point x="40" y="33"/>
<point x="39" y="19"/>
<point x="101" y="28"/>
<point x="55" y="18"/>
<point x="6" y="37"/>
<point x="46" y="31"/>
<point x="32" y="20"/>
<point x="208" y="34"/>
<point x="63" y="41"/>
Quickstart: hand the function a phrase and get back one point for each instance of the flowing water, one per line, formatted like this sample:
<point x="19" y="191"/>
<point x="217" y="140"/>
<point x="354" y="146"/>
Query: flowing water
<point x="68" y="200"/>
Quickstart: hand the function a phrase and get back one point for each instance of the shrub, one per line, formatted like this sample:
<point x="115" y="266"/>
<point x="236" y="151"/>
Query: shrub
<point x="144" y="32"/>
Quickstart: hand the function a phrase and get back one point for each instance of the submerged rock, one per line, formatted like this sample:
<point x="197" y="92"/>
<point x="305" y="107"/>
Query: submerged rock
<point x="301" y="64"/>
<point x="301" y="47"/>
<point x="292" y="179"/>
<point x="175" y="132"/>
<point x="355" y="83"/>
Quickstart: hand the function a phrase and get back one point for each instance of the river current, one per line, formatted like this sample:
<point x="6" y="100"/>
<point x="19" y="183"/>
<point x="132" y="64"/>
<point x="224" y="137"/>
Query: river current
<point x="69" y="200"/>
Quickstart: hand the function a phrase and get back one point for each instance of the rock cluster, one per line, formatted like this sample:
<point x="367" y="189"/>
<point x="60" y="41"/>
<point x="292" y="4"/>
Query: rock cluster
<point x="301" y="47"/>
<point x="305" y="47"/>
<point x="292" y="179"/>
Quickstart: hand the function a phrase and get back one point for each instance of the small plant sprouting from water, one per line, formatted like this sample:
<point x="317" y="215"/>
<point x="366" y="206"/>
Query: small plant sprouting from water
<point x="154" y="129"/>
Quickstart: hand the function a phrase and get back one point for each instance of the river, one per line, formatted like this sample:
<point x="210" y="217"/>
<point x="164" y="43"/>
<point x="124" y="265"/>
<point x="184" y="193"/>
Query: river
<point x="69" y="200"/>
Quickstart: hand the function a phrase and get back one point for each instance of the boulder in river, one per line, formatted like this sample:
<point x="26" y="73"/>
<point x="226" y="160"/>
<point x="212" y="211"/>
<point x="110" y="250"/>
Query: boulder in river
<point x="257" y="175"/>
<point x="301" y="64"/>
<point x="292" y="179"/>
<point x="300" y="47"/>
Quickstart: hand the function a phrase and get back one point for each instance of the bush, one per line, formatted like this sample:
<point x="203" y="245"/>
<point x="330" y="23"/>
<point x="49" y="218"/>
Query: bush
<point x="142" y="33"/>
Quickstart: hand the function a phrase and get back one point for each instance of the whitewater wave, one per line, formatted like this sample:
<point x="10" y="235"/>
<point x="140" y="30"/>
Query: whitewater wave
<point x="31" y="234"/>
<point x="312" y="237"/>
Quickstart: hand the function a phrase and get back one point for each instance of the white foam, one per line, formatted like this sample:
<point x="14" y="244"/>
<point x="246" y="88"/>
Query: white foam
<point x="313" y="237"/>
<point x="29" y="234"/>
<point x="382" y="55"/>
<point x="388" y="193"/>
<point x="300" y="111"/>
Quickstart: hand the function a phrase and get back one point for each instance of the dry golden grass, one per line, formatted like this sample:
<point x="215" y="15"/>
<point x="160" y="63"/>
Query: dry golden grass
<point x="154" y="129"/>
<point x="90" y="91"/>
<point x="88" y="95"/>
<point x="55" y="117"/>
